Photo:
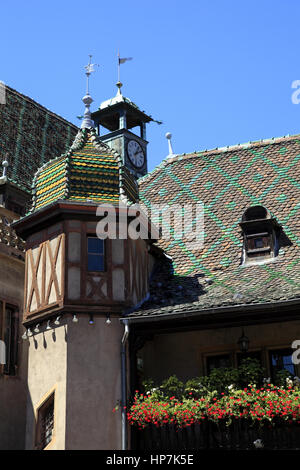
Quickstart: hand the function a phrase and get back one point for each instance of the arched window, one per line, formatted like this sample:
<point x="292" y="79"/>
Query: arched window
<point x="260" y="233"/>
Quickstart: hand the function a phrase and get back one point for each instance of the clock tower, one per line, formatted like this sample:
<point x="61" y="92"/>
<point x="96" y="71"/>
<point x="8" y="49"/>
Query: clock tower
<point x="126" y="125"/>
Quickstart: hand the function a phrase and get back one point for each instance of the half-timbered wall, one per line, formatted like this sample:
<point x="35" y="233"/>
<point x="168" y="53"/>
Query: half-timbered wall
<point x="44" y="271"/>
<point x="125" y="278"/>
<point x="138" y="269"/>
<point x="57" y="273"/>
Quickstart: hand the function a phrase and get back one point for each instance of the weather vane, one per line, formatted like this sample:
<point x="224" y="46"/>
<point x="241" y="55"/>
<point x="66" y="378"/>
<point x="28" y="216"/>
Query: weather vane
<point x="121" y="61"/>
<point x="89" y="68"/>
<point x="87" y="99"/>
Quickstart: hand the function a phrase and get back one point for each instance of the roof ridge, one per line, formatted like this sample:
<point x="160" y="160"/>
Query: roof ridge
<point x="230" y="148"/>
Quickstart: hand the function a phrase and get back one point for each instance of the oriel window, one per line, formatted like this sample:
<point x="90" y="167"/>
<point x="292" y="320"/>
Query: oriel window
<point x="95" y="254"/>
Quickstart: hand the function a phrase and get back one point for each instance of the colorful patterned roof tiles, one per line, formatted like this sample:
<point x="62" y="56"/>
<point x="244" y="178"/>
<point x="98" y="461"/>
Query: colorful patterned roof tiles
<point x="30" y="135"/>
<point x="228" y="181"/>
<point x="90" y="170"/>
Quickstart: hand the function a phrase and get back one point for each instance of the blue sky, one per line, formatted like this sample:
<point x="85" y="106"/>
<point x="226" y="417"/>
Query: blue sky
<point x="215" y="72"/>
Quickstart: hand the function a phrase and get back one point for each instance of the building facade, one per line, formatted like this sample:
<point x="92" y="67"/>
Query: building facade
<point x="100" y="314"/>
<point x="246" y="276"/>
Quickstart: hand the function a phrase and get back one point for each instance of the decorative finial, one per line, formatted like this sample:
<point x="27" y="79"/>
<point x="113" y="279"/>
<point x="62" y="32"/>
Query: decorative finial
<point x="119" y="85"/>
<point x="87" y="122"/>
<point x="3" y="178"/>
<point x="171" y="153"/>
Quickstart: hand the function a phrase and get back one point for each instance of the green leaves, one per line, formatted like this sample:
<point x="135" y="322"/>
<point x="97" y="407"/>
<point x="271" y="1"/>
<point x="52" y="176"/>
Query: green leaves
<point x="219" y="380"/>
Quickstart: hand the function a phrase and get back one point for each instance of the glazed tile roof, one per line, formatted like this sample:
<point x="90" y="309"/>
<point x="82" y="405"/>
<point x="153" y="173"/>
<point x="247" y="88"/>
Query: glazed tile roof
<point x="30" y="135"/>
<point x="90" y="170"/>
<point x="227" y="181"/>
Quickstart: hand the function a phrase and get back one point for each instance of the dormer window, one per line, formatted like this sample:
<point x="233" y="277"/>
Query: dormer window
<point x="260" y="233"/>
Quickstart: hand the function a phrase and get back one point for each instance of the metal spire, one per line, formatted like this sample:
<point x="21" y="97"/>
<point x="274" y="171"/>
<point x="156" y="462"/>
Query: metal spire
<point x="121" y="61"/>
<point x="87" y="122"/>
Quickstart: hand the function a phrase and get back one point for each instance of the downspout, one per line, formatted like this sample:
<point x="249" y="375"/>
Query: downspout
<point x="124" y="373"/>
<point x="124" y="385"/>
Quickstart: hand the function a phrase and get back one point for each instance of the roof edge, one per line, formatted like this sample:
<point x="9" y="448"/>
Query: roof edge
<point x="195" y="313"/>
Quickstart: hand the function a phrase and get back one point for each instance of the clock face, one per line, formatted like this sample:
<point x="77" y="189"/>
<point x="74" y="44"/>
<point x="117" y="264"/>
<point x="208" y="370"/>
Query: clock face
<point x="135" y="153"/>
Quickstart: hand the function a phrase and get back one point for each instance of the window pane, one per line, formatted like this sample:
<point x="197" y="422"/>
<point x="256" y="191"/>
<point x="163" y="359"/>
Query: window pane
<point x="95" y="262"/>
<point x="258" y="242"/>
<point x="45" y="423"/>
<point x="280" y="360"/>
<point x="95" y="245"/>
<point x="215" y="362"/>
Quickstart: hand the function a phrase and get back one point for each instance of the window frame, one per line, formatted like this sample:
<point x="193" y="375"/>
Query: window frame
<point x="208" y="356"/>
<point x="233" y="354"/>
<point x="271" y="351"/>
<point x="41" y="408"/>
<point x="11" y="343"/>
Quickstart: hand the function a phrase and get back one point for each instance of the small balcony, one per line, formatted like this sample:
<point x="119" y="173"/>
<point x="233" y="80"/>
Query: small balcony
<point x="231" y="409"/>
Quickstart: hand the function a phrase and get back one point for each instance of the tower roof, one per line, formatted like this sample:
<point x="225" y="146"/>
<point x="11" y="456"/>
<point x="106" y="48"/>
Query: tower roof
<point x="89" y="171"/>
<point x="108" y="112"/>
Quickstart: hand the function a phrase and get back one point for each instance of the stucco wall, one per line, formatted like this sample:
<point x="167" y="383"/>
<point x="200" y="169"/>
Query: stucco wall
<point x="13" y="389"/>
<point x="47" y="371"/>
<point x="81" y="362"/>
<point x="93" y="384"/>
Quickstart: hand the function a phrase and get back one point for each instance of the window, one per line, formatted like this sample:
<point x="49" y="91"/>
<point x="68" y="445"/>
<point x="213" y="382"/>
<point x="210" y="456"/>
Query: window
<point x="258" y="244"/>
<point x="260" y="232"/>
<point x="216" y="362"/>
<point x="45" y="423"/>
<point x="95" y="254"/>
<point x="281" y="359"/>
<point x="9" y="321"/>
